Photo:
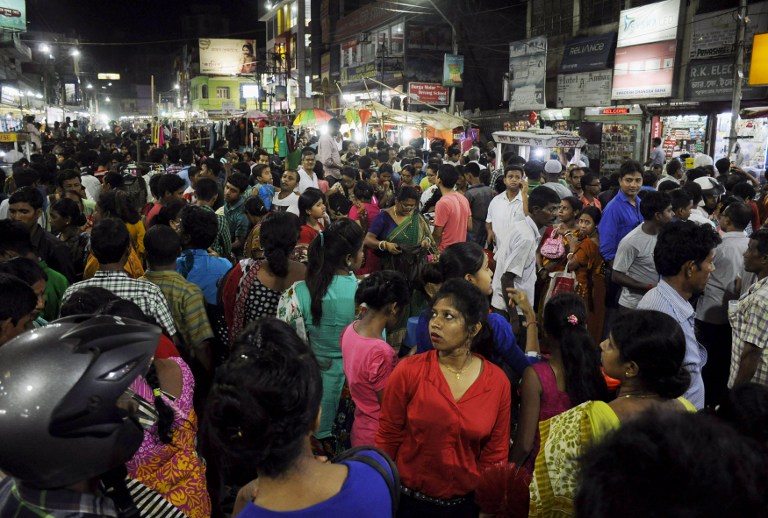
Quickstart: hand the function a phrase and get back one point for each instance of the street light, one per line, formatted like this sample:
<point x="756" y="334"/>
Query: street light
<point x="107" y="99"/>
<point x="44" y="48"/>
<point x="176" y="86"/>
<point x="89" y="86"/>
<point x="74" y="53"/>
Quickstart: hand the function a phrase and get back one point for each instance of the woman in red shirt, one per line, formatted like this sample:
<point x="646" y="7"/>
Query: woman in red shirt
<point x="445" y="414"/>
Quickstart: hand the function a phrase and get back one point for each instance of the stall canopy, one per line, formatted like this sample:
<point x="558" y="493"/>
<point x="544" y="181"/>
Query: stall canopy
<point x="435" y="119"/>
<point x="544" y="139"/>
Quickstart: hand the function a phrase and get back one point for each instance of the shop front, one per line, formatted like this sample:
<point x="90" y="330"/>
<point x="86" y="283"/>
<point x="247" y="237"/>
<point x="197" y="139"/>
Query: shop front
<point x="681" y="134"/>
<point x="749" y="152"/>
<point x="613" y="135"/>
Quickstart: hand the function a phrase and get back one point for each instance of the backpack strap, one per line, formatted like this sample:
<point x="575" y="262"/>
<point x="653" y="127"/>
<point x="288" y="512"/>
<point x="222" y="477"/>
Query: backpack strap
<point x="392" y="481"/>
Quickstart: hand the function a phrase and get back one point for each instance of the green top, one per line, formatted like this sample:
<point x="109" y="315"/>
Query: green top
<point x="54" y="289"/>
<point x="338" y="313"/>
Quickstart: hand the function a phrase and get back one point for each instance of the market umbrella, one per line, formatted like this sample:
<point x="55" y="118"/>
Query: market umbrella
<point x="310" y="117"/>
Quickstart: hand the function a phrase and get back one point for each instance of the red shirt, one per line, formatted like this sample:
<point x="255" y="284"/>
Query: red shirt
<point x="452" y="212"/>
<point x="439" y="444"/>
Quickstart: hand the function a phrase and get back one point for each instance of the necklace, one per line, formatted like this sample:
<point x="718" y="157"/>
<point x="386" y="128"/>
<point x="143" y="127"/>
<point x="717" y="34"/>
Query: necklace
<point x="458" y="373"/>
<point x="639" y="396"/>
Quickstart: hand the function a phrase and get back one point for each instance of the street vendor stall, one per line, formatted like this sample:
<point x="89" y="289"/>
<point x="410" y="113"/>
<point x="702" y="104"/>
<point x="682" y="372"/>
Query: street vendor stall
<point x="434" y="124"/>
<point x="539" y="144"/>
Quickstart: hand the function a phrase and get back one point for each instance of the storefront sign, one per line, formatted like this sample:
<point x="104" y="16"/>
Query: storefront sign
<point x="644" y="71"/>
<point x="429" y="93"/>
<point x="712" y="80"/>
<point x="227" y="57"/>
<point x="633" y="109"/>
<point x="453" y="70"/>
<point x="588" y="53"/>
<point x="758" y="72"/>
<point x="714" y="34"/>
<point x="586" y="89"/>
<point x="528" y="74"/>
<point x="13" y="15"/>
<point x="8" y="137"/>
<point x="649" y="23"/>
<point x="656" y="127"/>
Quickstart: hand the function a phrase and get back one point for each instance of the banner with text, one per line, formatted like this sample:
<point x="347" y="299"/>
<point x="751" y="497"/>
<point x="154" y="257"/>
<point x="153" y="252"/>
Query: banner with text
<point x="648" y="23"/>
<point x="712" y="80"/>
<point x="429" y="93"/>
<point x="227" y="57"/>
<point x="644" y="71"/>
<point x="588" y="53"/>
<point x="714" y="34"/>
<point x="585" y="89"/>
<point x="453" y="70"/>
<point x="13" y="15"/>
<point x="528" y="74"/>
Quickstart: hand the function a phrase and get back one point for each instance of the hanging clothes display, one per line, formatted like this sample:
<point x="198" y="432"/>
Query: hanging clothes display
<point x="268" y="139"/>
<point x="282" y="142"/>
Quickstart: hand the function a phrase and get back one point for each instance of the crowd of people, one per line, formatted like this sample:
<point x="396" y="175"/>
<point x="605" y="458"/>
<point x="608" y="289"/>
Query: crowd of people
<point x="382" y="330"/>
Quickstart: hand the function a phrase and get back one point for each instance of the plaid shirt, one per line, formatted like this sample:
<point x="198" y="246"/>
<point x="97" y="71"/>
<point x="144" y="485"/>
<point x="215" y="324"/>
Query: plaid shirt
<point x="750" y="325"/>
<point x="236" y="218"/>
<point x="142" y="293"/>
<point x="187" y="305"/>
<point x="22" y="501"/>
<point x="664" y="298"/>
<point x="223" y="243"/>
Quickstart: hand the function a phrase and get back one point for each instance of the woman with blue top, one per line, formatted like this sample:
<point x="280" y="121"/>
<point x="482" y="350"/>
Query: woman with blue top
<point x="262" y="411"/>
<point x="320" y="307"/>
<point x="468" y="261"/>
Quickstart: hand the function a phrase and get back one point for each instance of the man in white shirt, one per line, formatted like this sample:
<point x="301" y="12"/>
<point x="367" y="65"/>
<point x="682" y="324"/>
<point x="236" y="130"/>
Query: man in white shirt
<point x="307" y="176"/>
<point x="506" y="208"/>
<point x="517" y="261"/>
<point x="328" y="151"/>
<point x="287" y="200"/>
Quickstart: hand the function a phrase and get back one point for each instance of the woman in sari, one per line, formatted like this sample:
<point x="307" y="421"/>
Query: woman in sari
<point x="645" y="352"/>
<point x="587" y="263"/>
<point x="403" y="239"/>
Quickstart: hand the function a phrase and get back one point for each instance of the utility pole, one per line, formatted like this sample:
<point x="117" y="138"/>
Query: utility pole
<point x="454" y="50"/>
<point x="738" y="72"/>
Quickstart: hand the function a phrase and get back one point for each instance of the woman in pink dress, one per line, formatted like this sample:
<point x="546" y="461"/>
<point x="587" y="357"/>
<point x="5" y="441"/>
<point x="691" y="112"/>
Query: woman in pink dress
<point x="570" y="377"/>
<point x="368" y="358"/>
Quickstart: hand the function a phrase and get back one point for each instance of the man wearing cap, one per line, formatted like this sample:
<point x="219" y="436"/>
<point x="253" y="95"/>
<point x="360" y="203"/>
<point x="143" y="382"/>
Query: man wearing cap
<point x="328" y="152"/>
<point x="552" y="170"/>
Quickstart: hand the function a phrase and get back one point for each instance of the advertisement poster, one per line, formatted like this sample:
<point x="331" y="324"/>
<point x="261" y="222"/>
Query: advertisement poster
<point x="644" y="71"/>
<point x="528" y="74"/>
<point x="649" y="23"/>
<point x="585" y="89"/>
<point x="429" y="93"/>
<point x="453" y="70"/>
<point x="588" y="53"/>
<point x="227" y="57"/>
<point x="13" y="15"/>
<point x="714" y="34"/>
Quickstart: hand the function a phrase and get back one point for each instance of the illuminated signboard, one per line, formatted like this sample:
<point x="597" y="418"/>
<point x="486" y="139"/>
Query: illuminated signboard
<point x="109" y="77"/>
<point x="615" y="111"/>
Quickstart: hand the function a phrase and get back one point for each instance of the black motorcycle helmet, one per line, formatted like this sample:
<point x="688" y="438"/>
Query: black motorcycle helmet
<point x="59" y="390"/>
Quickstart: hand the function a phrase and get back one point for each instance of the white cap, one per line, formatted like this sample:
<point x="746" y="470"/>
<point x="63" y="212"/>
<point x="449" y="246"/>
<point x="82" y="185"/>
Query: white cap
<point x="702" y="160"/>
<point x="553" y="167"/>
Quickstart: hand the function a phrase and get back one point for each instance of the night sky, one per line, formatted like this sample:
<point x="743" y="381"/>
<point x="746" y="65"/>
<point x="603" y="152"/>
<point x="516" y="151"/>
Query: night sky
<point x="130" y="23"/>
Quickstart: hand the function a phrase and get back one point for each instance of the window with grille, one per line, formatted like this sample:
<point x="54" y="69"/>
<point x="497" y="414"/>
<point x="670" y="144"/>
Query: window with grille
<point x="222" y="92"/>
<point x="600" y="12"/>
<point x="552" y="17"/>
